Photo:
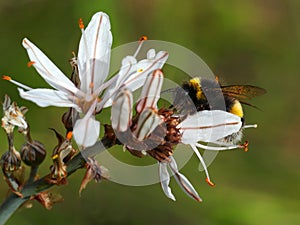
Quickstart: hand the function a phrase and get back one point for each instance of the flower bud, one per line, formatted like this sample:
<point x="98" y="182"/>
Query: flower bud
<point x="33" y="153"/>
<point x="11" y="161"/>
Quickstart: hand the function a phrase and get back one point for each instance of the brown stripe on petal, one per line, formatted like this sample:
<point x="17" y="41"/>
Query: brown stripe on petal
<point x="207" y="127"/>
<point x="149" y="85"/>
<point x="143" y="123"/>
<point x="187" y="189"/>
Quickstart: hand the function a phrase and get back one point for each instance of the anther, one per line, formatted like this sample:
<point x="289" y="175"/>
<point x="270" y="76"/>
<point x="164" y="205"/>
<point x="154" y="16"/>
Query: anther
<point x="143" y="38"/>
<point x="4" y="77"/>
<point x="69" y="135"/>
<point x="245" y="146"/>
<point x="81" y="24"/>
<point x="210" y="183"/>
<point x="30" y="63"/>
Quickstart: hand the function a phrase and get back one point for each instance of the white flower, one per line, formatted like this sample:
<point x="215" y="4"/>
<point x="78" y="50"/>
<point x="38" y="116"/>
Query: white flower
<point x="13" y="116"/>
<point x="204" y="126"/>
<point x="93" y="68"/>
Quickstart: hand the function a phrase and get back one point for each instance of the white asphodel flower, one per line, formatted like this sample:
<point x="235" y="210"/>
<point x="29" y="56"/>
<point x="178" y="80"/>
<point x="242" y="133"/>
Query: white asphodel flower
<point x="204" y="126"/>
<point x="93" y="68"/>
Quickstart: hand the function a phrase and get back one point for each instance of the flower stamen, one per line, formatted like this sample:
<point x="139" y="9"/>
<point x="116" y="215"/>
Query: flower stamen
<point x="141" y="41"/>
<point x="203" y="164"/>
<point x="8" y="78"/>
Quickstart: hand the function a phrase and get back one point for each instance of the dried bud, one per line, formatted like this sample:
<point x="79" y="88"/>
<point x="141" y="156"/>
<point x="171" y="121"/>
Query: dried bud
<point x="47" y="199"/>
<point x="93" y="172"/>
<point x="62" y="153"/>
<point x="13" y="116"/>
<point x="69" y="118"/>
<point x="11" y="161"/>
<point x="33" y="153"/>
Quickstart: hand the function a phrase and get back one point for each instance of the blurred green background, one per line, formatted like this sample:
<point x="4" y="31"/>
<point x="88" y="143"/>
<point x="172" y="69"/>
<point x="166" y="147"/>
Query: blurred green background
<point x="244" y="42"/>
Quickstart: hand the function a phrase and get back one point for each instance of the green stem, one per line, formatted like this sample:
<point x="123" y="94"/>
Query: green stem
<point x="33" y="173"/>
<point x="13" y="202"/>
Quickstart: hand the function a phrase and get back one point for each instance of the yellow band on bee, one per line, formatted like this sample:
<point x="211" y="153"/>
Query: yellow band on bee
<point x="195" y="83"/>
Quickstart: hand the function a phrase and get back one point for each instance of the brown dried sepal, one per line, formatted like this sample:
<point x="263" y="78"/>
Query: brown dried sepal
<point x="47" y="199"/>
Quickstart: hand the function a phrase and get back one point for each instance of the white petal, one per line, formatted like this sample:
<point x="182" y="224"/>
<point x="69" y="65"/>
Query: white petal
<point x="209" y="126"/>
<point x="145" y="67"/>
<point x="183" y="182"/>
<point x="94" y="52"/>
<point x="164" y="178"/>
<point x="46" y="68"/>
<point x="47" y="97"/>
<point x="121" y="111"/>
<point x="151" y="91"/>
<point x="128" y="67"/>
<point x="86" y="131"/>
<point x="147" y="122"/>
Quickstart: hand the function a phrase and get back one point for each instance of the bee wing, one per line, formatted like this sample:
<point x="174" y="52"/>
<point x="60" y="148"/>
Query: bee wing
<point x="242" y="91"/>
<point x="208" y="126"/>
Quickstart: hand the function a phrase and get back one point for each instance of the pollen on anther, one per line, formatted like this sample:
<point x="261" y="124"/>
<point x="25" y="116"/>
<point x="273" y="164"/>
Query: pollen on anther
<point x="30" y="63"/>
<point x="245" y="146"/>
<point x="4" y="77"/>
<point x="210" y="183"/>
<point x="69" y="135"/>
<point x="143" y="38"/>
<point x="55" y="156"/>
<point x="81" y="24"/>
<point x="140" y="70"/>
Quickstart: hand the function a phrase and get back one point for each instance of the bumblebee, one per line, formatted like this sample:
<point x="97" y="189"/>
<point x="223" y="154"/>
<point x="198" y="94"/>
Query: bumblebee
<point x="199" y="94"/>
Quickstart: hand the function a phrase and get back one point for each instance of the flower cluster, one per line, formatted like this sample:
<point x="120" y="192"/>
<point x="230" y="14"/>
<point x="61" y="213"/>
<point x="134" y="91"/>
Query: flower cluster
<point x="142" y="127"/>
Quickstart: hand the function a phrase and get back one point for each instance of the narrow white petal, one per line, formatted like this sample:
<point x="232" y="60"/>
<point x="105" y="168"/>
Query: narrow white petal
<point x="46" y="68"/>
<point x="147" y="122"/>
<point x="121" y="111"/>
<point x="94" y="52"/>
<point x="183" y="182"/>
<point x="209" y="126"/>
<point x="128" y="67"/>
<point x="164" y="178"/>
<point x="133" y="74"/>
<point x="151" y="91"/>
<point x="145" y="67"/>
<point x="47" y="97"/>
<point x="86" y="131"/>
